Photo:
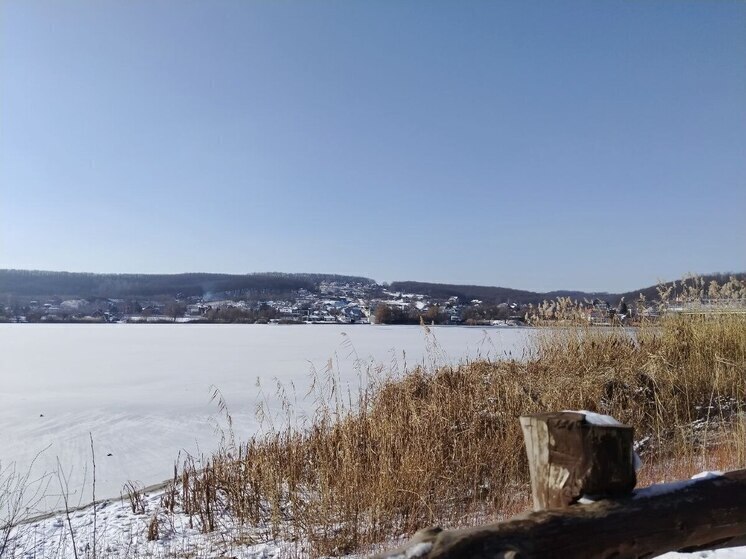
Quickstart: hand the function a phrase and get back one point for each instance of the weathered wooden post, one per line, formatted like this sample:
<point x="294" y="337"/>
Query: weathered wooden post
<point x="571" y="454"/>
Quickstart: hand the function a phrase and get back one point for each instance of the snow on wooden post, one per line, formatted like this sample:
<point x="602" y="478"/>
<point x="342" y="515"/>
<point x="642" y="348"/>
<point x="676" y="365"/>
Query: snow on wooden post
<point x="571" y="454"/>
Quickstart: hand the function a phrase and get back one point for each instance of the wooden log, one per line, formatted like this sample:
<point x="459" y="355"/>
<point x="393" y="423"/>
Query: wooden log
<point x="682" y="516"/>
<point x="570" y="457"/>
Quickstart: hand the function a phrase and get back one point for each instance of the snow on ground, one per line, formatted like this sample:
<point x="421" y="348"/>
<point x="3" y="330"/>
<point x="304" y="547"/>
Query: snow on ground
<point x="121" y="534"/>
<point x="730" y="553"/>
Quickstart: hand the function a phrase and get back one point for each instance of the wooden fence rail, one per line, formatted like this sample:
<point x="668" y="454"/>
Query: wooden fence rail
<point x="689" y="515"/>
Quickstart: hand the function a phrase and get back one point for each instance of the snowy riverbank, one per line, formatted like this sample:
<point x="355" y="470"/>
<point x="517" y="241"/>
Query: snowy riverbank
<point x="119" y="533"/>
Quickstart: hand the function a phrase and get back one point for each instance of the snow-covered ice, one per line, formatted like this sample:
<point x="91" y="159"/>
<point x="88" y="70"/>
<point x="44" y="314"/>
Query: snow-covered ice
<point x="143" y="391"/>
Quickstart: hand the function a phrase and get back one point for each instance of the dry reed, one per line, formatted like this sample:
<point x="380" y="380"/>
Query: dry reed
<point x="443" y="446"/>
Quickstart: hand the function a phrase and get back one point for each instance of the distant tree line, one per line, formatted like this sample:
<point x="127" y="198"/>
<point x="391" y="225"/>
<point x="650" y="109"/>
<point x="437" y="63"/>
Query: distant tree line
<point x="36" y="283"/>
<point x="385" y="314"/>
<point x="233" y="315"/>
<point x="479" y="313"/>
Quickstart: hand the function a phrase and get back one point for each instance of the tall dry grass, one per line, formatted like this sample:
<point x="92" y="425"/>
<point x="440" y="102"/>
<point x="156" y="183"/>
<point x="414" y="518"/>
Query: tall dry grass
<point x="442" y="445"/>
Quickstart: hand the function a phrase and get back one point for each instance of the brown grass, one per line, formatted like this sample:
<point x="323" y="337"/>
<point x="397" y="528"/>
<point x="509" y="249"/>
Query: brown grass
<point x="443" y="445"/>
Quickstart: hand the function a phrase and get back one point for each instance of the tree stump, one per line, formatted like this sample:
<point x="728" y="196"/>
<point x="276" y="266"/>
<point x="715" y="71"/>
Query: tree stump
<point x="570" y="457"/>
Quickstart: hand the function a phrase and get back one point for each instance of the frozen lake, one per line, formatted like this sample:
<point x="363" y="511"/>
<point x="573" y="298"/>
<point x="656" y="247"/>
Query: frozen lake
<point x="143" y="391"/>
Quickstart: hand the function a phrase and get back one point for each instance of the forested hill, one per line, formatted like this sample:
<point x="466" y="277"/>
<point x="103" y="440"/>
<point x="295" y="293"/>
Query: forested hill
<point x="488" y="294"/>
<point x="35" y="283"/>
<point x="496" y="295"/>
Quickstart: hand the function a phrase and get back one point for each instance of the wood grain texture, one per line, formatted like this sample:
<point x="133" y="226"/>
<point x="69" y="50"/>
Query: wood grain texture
<point x="701" y="514"/>
<point x="570" y="457"/>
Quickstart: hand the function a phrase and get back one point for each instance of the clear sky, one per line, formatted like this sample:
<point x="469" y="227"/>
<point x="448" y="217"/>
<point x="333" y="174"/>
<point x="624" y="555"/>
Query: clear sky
<point x="538" y="145"/>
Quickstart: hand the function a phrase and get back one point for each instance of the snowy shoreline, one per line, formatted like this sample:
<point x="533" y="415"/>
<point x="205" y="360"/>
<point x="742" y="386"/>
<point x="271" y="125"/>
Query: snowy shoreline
<point x="119" y="533"/>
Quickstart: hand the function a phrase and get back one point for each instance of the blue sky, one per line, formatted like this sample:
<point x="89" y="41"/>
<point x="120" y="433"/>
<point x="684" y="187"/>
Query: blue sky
<point x="538" y="145"/>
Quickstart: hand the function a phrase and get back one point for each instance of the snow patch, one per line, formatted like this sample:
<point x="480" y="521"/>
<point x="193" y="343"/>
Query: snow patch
<point x="121" y="534"/>
<point x="597" y="418"/>
<point x="708" y="475"/>
<point x="417" y="550"/>
<point x="663" y="488"/>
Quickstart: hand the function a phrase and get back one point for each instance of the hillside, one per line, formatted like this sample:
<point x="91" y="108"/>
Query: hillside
<point x="488" y="294"/>
<point x="496" y="295"/>
<point x="36" y="283"/>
